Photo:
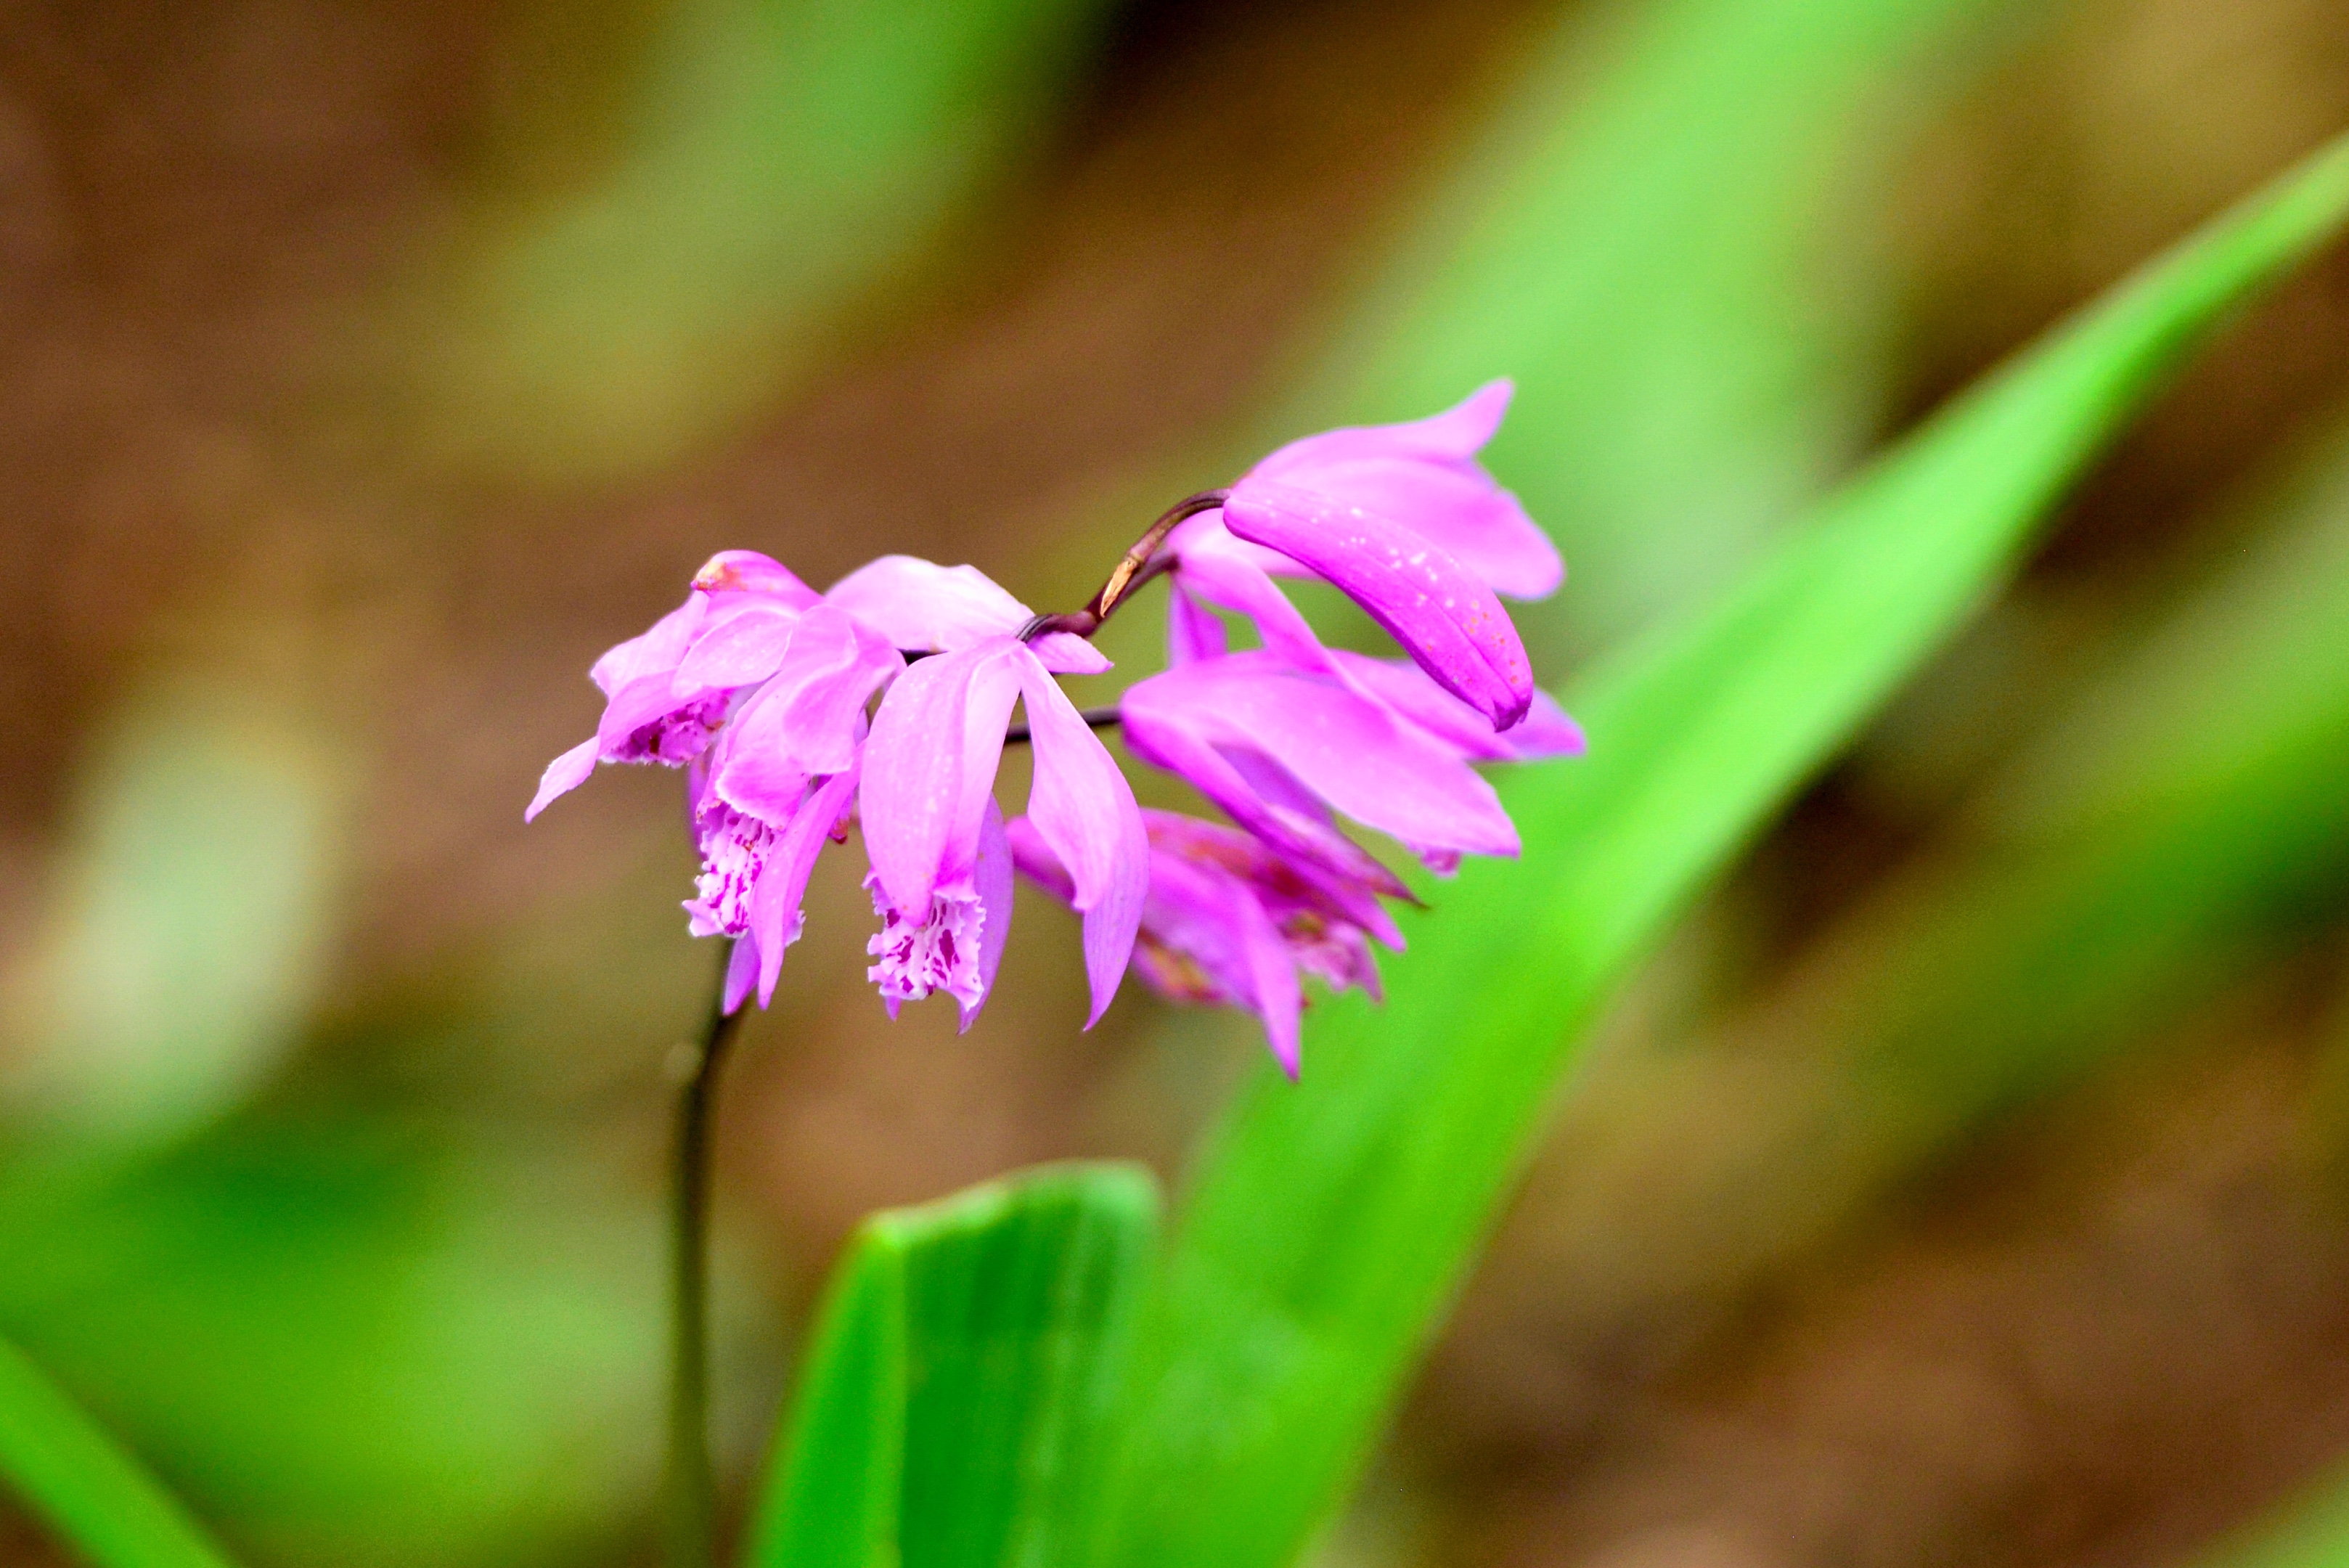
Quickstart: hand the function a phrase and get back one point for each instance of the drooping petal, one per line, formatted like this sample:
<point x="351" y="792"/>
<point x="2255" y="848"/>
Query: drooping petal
<point x="1216" y="569"/>
<point x="1448" y="622"/>
<point x="1455" y="435"/>
<point x="741" y="972"/>
<point x="741" y="649"/>
<point x="1083" y="807"/>
<point x="1547" y="730"/>
<point x="929" y="765"/>
<point x="1034" y="858"/>
<point x="564" y="774"/>
<point x="1477" y="522"/>
<point x="1162" y="729"/>
<point x="991" y="880"/>
<point x="808" y="719"/>
<point x="1349" y="751"/>
<point x="919" y="604"/>
<point x="778" y="919"/>
<point x="1193" y="632"/>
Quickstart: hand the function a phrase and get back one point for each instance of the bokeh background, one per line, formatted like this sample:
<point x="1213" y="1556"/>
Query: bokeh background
<point x="1968" y="1181"/>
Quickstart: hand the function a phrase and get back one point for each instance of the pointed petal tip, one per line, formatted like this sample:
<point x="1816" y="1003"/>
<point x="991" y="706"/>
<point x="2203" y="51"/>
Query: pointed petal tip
<point x="564" y="774"/>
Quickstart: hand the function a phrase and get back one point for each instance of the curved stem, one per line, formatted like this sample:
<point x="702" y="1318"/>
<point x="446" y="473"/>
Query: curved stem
<point x="691" y="1482"/>
<point x="1140" y="563"/>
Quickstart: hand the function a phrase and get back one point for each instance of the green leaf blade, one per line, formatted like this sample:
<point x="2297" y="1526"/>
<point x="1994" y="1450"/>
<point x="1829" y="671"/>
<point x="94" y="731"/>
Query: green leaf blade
<point x="951" y="1410"/>
<point x="97" y="1499"/>
<point x="1331" y="1223"/>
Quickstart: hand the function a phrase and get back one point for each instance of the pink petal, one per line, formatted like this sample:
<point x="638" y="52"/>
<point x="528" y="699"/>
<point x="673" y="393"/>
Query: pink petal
<point x="1402" y="686"/>
<point x="742" y="971"/>
<point x="1193" y="632"/>
<point x="1081" y="807"/>
<point x="1034" y="859"/>
<point x="929" y="766"/>
<point x="1217" y="569"/>
<point x="991" y="878"/>
<point x="1482" y="525"/>
<point x="1349" y="750"/>
<point x="656" y="651"/>
<point x="564" y="774"/>
<point x="1455" y="435"/>
<point x="778" y="920"/>
<point x="919" y="605"/>
<point x="748" y="572"/>
<point x="1449" y="622"/>
<point x="742" y="650"/>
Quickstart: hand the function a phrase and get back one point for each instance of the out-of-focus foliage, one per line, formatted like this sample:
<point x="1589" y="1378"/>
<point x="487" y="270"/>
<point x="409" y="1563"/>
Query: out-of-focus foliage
<point x="953" y="1401"/>
<point x="777" y="160"/>
<point x="1333" y="1219"/>
<point x="84" y="1485"/>
<point x="1649" y="243"/>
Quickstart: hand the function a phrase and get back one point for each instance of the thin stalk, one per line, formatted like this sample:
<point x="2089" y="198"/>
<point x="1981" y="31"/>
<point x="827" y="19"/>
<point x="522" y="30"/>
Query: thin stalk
<point x="692" y="1482"/>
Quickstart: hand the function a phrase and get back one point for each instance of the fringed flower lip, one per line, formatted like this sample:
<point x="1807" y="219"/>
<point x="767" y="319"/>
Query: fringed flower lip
<point x="885" y="702"/>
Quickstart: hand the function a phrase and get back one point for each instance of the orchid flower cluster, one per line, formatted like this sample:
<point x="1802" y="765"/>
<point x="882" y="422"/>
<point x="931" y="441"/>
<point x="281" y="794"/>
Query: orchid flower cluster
<point x="762" y="689"/>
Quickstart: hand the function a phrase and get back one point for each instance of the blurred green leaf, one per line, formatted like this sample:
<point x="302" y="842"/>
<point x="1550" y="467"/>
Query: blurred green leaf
<point x="98" y="1499"/>
<point x="1332" y="1222"/>
<point x="176" y="970"/>
<point x="950" y="1408"/>
<point x="786" y="156"/>
<point x="1657" y="239"/>
<point x="2177" y="819"/>
<point x="357" y="1339"/>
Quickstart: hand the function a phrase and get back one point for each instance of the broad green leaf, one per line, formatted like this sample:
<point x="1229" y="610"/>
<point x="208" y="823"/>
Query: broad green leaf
<point x="98" y="1499"/>
<point x="950" y="1407"/>
<point x="1331" y="1223"/>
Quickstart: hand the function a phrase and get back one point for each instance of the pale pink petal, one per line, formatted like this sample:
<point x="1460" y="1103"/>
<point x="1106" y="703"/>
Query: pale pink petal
<point x="741" y="972"/>
<point x="564" y="774"/>
<point x="1065" y="653"/>
<point x="1217" y="570"/>
<point x="1083" y="808"/>
<point x="991" y="880"/>
<point x="1455" y="435"/>
<point x="741" y="649"/>
<point x="783" y="889"/>
<point x="731" y="572"/>
<point x="1547" y="732"/>
<point x="929" y="766"/>
<point x="1193" y="632"/>
<point x="656" y="651"/>
<point x="919" y="605"/>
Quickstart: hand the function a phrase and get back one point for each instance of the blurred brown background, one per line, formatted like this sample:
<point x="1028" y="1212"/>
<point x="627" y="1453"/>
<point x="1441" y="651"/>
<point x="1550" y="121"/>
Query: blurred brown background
<point x="1964" y="1184"/>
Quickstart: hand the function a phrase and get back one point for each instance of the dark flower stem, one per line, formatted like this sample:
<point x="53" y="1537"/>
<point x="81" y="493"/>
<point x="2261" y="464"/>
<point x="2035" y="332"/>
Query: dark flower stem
<point x="1140" y="563"/>
<point x="692" y="1481"/>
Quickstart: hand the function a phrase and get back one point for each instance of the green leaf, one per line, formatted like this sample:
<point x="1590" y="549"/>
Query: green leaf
<point x="98" y="1499"/>
<point x="1332" y="1222"/>
<point x="951" y="1404"/>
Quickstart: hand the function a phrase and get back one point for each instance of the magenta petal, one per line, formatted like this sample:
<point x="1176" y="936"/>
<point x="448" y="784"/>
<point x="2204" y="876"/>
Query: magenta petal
<point x="1034" y="858"/>
<point x="1448" y="622"/>
<point x="731" y="572"/>
<point x="1272" y="978"/>
<point x="741" y="649"/>
<point x="741" y="972"/>
<point x="564" y="774"/>
<point x="1215" y="569"/>
<point x="1083" y="807"/>
<point x="1065" y="653"/>
<point x="1349" y="750"/>
<point x="929" y="765"/>
<point x="1161" y="730"/>
<point x="991" y="879"/>
<point x="807" y="719"/>
<point x="920" y="604"/>
<point x="1193" y="632"/>
<point x="657" y="650"/>
<point x="1453" y="436"/>
<point x="1480" y="524"/>
<point x="783" y="887"/>
<point x="1547" y="732"/>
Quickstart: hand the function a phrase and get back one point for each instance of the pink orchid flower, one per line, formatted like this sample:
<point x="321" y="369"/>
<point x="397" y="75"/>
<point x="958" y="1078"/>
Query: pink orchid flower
<point x="1230" y="921"/>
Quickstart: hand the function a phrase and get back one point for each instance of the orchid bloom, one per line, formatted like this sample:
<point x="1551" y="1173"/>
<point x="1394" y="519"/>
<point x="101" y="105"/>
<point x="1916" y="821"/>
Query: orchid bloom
<point x="765" y="692"/>
<point x="1230" y="921"/>
<point x="941" y="868"/>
